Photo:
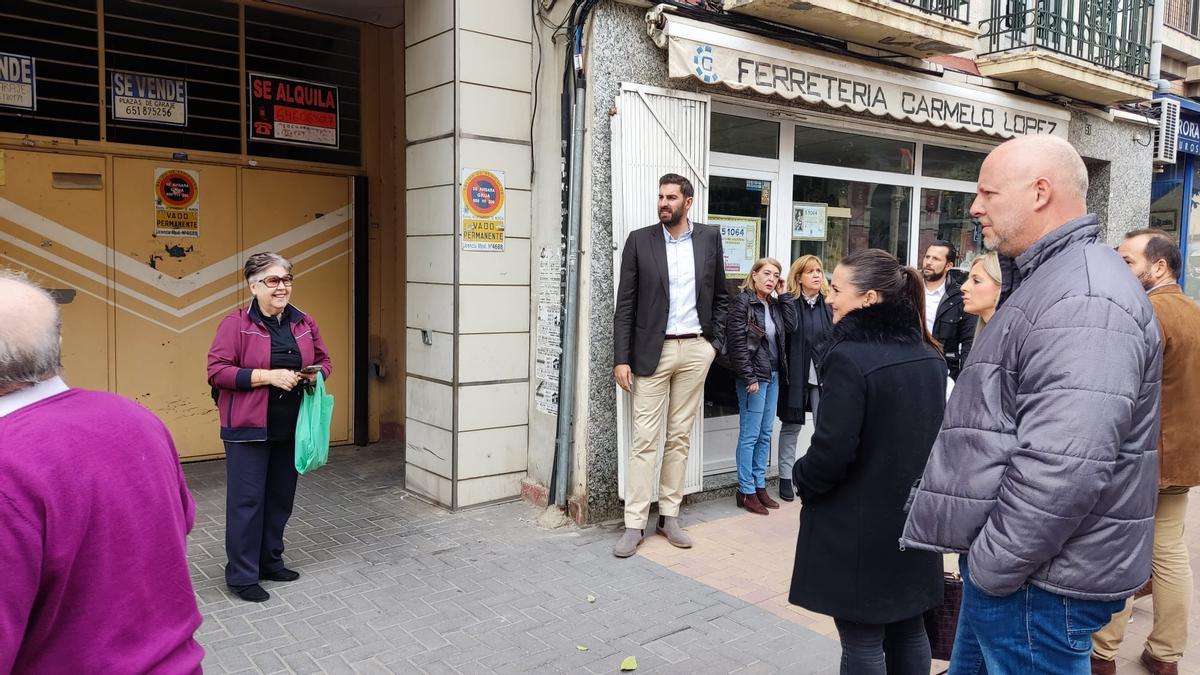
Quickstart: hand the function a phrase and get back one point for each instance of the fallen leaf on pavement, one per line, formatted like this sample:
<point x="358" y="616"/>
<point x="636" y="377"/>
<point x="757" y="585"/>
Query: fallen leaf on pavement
<point x="630" y="663"/>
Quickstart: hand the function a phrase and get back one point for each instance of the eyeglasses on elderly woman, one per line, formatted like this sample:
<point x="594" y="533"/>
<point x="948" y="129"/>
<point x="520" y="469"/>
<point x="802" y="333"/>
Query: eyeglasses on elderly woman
<point x="274" y="281"/>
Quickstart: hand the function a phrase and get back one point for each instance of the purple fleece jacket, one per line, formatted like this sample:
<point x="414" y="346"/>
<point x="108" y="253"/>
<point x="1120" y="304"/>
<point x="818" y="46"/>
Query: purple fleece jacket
<point x="242" y="344"/>
<point x="94" y="518"/>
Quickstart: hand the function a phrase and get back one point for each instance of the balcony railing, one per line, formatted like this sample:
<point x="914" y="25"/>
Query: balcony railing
<point x="955" y="10"/>
<point x="1112" y="34"/>
<point x="1182" y="16"/>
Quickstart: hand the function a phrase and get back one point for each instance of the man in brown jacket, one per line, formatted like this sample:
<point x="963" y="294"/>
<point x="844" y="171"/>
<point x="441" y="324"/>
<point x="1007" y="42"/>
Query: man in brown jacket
<point x="1154" y="257"/>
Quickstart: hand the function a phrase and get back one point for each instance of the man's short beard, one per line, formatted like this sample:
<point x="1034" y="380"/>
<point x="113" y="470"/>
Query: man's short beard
<point x="930" y="276"/>
<point x="674" y="219"/>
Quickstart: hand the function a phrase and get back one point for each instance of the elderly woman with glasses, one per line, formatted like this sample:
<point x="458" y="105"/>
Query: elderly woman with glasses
<point x="261" y="359"/>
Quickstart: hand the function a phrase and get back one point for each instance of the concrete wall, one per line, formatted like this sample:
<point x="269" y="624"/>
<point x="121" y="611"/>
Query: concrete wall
<point x="1119" y="157"/>
<point x="468" y="106"/>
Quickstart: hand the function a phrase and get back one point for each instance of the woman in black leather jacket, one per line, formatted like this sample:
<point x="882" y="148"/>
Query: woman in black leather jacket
<point x="755" y="335"/>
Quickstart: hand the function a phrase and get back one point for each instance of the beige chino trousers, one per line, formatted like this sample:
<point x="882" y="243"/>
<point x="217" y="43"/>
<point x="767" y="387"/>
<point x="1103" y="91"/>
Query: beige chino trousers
<point x="1172" y="576"/>
<point x="672" y="394"/>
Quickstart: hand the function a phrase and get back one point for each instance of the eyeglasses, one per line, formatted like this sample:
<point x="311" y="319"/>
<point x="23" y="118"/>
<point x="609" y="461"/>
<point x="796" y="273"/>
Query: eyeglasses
<point x="273" y="281"/>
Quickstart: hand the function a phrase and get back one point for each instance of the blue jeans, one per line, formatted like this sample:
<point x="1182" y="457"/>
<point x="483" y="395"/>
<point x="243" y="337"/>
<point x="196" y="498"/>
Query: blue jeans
<point x="1030" y="631"/>
<point x="756" y="417"/>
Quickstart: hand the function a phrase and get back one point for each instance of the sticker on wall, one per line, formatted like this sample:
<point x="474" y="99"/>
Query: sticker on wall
<point x="146" y="98"/>
<point x="176" y="203"/>
<point x="808" y="221"/>
<point x="548" y="345"/>
<point x="18" y="82"/>
<point x="283" y="110"/>
<point x="482" y="210"/>
<point x="739" y="238"/>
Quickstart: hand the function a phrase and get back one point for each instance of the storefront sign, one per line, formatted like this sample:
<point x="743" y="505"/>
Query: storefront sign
<point x="145" y="98"/>
<point x="283" y="110"/>
<point x="176" y="203"/>
<point x="816" y="78"/>
<point x="1189" y="133"/>
<point x="739" y="238"/>
<point x="18" y="82"/>
<point x="808" y="221"/>
<point x="482" y="210"/>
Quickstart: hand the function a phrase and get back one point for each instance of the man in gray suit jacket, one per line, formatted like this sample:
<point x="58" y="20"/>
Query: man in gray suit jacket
<point x="667" y="329"/>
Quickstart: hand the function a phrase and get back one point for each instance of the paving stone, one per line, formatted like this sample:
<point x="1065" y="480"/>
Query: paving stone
<point x="392" y="584"/>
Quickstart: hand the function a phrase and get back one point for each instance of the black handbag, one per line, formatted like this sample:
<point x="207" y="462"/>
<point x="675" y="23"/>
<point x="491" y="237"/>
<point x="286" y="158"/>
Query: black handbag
<point x="941" y="623"/>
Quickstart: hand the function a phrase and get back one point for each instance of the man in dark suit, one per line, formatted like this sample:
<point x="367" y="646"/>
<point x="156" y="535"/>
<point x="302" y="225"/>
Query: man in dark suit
<point x="944" y="315"/>
<point x="667" y="328"/>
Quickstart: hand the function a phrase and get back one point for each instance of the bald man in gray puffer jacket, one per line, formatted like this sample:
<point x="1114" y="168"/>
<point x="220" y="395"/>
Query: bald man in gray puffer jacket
<point x="1045" y="473"/>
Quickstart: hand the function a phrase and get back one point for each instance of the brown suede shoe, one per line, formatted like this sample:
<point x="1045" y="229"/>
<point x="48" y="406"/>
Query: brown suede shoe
<point x="751" y="504"/>
<point x="765" y="499"/>
<point x="1157" y="667"/>
<point x="1103" y="666"/>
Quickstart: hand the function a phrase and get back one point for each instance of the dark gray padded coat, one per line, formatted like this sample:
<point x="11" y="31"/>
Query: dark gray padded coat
<point x="1046" y="467"/>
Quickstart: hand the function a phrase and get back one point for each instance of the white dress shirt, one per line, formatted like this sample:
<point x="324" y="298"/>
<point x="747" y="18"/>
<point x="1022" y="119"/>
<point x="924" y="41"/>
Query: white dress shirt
<point x="932" y="300"/>
<point x="11" y="403"/>
<point x="682" y="317"/>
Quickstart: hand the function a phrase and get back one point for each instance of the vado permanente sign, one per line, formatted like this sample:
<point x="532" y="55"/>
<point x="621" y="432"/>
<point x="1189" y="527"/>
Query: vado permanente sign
<point x="283" y="110"/>
<point x="816" y="78"/>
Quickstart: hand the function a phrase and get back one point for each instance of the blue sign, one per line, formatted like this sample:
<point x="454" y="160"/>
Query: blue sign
<point x="17" y="82"/>
<point x="1189" y="132"/>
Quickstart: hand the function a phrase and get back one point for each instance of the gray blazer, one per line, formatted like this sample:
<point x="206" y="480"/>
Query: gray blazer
<point x="643" y="300"/>
<point x="1046" y="469"/>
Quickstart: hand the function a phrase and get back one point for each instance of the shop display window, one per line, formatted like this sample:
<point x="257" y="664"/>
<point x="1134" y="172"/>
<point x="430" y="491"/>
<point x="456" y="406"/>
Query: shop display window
<point x="952" y="163"/>
<point x="853" y="151"/>
<point x="744" y="136"/>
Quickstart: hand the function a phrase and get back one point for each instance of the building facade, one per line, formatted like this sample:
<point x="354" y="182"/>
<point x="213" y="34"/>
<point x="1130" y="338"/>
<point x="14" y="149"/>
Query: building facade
<point x="455" y="181"/>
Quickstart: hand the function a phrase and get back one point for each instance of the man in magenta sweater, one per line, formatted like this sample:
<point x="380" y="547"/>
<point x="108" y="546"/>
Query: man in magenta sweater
<point x="94" y="516"/>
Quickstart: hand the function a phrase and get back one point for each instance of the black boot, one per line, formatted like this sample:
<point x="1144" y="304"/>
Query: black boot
<point x="251" y="593"/>
<point x="785" y="490"/>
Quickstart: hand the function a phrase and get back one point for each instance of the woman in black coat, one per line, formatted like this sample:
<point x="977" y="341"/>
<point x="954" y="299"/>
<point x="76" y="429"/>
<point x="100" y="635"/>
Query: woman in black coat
<point x="755" y="327"/>
<point x="884" y="389"/>
<point x="801" y="393"/>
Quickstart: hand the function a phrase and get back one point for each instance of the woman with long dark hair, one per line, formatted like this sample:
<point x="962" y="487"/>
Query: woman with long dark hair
<point x="883" y="392"/>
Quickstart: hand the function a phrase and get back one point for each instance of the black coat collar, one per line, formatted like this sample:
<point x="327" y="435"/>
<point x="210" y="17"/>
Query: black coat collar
<point x="888" y="322"/>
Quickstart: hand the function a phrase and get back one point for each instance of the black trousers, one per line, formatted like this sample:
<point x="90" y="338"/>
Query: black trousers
<point x="899" y="648"/>
<point x="259" y="492"/>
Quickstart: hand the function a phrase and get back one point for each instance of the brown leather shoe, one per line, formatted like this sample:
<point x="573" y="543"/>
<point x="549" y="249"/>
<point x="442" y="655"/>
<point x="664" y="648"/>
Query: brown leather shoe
<point x="751" y="504"/>
<point x="741" y="500"/>
<point x="1157" y="667"/>
<point x="1142" y="592"/>
<point x="1103" y="666"/>
<point x="765" y="499"/>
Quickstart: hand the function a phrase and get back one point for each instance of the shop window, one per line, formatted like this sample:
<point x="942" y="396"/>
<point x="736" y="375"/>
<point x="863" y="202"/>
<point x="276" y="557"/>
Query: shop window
<point x="833" y="218"/>
<point x="193" y="42"/>
<point x="54" y="48"/>
<point x="305" y="50"/>
<point x="836" y="148"/>
<point x="744" y="136"/>
<point x="946" y="215"/>
<point x="952" y="163"/>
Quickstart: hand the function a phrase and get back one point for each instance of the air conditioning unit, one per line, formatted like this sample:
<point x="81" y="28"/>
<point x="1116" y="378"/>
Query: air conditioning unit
<point x="1166" y="134"/>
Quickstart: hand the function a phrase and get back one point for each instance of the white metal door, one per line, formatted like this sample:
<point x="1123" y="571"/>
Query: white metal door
<point x="655" y="131"/>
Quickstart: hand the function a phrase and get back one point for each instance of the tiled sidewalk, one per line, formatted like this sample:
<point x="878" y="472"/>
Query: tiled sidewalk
<point x="394" y="585"/>
<point x="750" y="557"/>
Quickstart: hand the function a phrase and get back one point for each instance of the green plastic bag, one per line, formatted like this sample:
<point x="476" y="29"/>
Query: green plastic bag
<point x="312" y="427"/>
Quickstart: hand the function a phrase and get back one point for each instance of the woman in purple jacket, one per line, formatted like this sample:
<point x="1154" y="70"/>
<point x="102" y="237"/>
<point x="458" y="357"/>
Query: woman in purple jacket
<point x="261" y="360"/>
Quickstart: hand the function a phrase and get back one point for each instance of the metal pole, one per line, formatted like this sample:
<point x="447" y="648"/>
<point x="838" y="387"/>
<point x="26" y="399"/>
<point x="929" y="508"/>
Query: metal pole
<point x="1156" y="44"/>
<point x="567" y="361"/>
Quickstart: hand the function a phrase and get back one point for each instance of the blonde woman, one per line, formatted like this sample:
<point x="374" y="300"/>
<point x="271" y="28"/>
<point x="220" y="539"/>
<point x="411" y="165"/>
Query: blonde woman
<point x="981" y="290"/>
<point x="800" y="392"/>
<point x="756" y="328"/>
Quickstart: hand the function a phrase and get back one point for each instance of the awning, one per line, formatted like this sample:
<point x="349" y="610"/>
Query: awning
<point x="721" y="56"/>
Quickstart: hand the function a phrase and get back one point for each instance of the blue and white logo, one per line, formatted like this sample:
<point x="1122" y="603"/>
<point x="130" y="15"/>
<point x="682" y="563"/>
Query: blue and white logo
<point x="706" y="69"/>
